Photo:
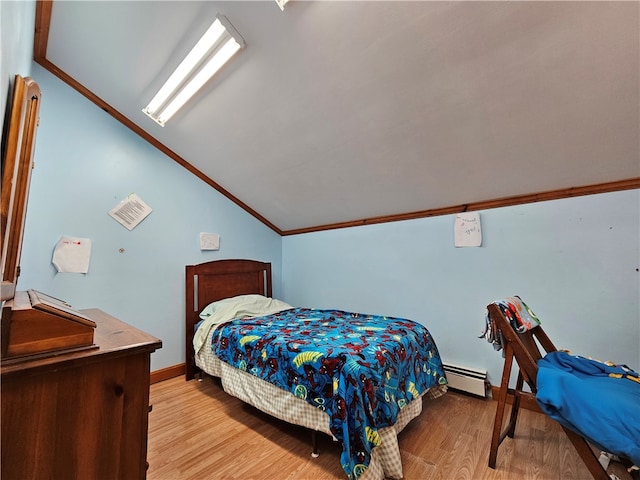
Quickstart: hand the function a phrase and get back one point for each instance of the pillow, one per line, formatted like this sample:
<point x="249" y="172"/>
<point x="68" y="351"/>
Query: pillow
<point x="234" y="307"/>
<point x="250" y="303"/>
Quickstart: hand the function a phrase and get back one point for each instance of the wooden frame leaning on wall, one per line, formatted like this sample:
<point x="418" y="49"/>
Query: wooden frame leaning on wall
<point x="17" y="163"/>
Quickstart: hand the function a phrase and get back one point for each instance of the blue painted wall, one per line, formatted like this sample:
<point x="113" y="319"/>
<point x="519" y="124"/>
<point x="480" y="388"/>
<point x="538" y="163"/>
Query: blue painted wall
<point x="17" y="23"/>
<point x="86" y="163"/>
<point x="574" y="261"/>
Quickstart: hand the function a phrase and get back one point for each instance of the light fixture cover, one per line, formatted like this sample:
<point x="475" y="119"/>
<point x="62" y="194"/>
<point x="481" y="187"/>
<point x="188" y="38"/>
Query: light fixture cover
<point x="282" y="3"/>
<point x="218" y="44"/>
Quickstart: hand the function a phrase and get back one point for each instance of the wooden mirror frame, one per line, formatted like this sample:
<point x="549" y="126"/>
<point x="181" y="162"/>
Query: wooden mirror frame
<point x="17" y="163"/>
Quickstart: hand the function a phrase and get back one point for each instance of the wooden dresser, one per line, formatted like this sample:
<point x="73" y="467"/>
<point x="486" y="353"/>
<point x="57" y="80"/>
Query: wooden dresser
<point x="81" y="415"/>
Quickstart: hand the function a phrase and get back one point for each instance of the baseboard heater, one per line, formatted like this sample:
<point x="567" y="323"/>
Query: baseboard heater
<point x="468" y="380"/>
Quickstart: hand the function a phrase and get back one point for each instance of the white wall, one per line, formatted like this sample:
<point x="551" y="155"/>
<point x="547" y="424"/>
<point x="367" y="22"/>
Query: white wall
<point x="574" y="261"/>
<point x="86" y="163"/>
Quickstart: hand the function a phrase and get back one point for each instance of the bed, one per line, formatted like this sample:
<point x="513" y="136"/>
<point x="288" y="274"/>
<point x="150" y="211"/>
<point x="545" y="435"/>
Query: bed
<point x="358" y="378"/>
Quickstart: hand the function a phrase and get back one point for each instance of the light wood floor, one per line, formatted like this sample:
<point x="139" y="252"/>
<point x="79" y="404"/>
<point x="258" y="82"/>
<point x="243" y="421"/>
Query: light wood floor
<point x="197" y="431"/>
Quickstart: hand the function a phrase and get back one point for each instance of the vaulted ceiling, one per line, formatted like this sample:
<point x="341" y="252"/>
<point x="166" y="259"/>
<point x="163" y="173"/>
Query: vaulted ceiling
<point x="341" y="113"/>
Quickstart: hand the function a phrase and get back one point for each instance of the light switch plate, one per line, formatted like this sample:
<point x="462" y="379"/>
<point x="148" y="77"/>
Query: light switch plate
<point x="209" y="241"/>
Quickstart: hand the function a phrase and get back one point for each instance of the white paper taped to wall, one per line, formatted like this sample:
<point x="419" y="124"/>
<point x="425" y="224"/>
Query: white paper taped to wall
<point x="209" y="241"/>
<point x="130" y="212"/>
<point x="72" y="255"/>
<point x="467" y="230"/>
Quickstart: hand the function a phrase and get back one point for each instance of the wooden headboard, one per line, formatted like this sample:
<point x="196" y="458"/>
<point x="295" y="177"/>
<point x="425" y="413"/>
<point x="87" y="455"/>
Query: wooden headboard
<point x="212" y="281"/>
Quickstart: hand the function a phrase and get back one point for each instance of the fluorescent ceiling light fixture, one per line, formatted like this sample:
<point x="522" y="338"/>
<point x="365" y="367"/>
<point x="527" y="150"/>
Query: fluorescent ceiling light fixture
<point x="219" y="43"/>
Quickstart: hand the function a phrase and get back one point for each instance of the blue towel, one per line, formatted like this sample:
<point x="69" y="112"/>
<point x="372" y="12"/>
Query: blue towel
<point x="600" y="402"/>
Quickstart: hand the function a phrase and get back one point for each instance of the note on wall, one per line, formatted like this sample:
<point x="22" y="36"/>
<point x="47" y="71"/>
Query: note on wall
<point x="130" y="212"/>
<point x="72" y="254"/>
<point x="209" y="241"/>
<point x="467" y="230"/>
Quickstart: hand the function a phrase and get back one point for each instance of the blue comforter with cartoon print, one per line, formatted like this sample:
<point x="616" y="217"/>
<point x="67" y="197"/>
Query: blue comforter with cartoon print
<point x="360" y="369"/>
